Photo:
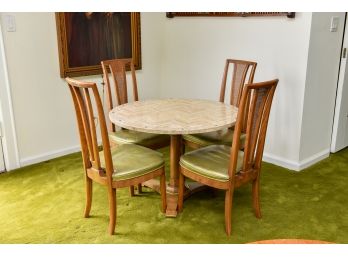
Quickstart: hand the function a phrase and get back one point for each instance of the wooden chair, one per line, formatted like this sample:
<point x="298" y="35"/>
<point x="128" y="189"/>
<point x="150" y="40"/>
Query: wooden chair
<point x="242" y="71"/>
<point x="122" y="166"/>
<point x="117" y="93"/>
<point x="226" y="168"/>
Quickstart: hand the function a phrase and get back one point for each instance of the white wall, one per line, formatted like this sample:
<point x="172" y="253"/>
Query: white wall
<point x="8" y="130"/>
<point x="193" y="60"/>
<point x="321" y="83"/>
<point x="43" y="110"/>
<point x="184" y="57"/>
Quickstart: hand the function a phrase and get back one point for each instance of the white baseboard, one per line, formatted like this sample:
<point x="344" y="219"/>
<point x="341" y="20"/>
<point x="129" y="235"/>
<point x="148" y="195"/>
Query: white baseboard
<point x="49" y="155"/>
<point x="267" y="157"/>
<point x="314" y="159"/>
<point x="280" y="161"/>
<point x="293" y="165"/>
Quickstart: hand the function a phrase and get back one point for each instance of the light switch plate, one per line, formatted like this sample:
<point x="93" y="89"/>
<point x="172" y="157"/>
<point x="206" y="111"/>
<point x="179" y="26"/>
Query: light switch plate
<point x="334" y="24"/>
<point x="10" y="23"/>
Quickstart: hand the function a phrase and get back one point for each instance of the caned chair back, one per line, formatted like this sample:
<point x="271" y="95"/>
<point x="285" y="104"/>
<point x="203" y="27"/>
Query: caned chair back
<point x="82" y="94"/>
<point x="255" y="107"/>
<point x="237" y="73"/>
<point x="116" y="86"/>
<point x="241" y="72"/>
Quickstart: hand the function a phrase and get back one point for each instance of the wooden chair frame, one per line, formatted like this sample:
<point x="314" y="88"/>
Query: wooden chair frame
<point x="236" y="87"/>
<point x="255" y="106"/>
<point x="81" y="94"/>
<point x="117" y="68"/>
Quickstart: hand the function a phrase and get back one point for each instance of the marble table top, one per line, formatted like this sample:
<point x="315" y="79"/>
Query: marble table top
<point x="174" y="116"/>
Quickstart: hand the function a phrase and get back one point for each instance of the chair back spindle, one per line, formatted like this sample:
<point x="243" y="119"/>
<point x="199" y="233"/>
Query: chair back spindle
<point x="81" y="93"/>
<point x="255" y="107"/>
<point x="239" y="70"/>
<point x="118" y="85"/>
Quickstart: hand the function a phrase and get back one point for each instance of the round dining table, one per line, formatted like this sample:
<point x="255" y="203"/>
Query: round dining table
<point x="174" y="117"/>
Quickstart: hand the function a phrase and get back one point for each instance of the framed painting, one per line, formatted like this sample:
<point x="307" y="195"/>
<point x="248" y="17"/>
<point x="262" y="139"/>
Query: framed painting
<point x="85" y="39"/>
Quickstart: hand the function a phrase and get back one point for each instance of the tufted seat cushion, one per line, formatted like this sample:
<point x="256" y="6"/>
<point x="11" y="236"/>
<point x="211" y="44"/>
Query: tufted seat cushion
<point x="132" y="161"/>
<point x="126" y="136"/>
<point x="224" y="136"/>
<point x="211" y="161"/>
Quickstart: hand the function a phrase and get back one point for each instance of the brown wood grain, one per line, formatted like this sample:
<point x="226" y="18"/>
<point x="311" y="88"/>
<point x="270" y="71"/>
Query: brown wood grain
<point x="94" y="171"/>
<point x="255" y="104"/>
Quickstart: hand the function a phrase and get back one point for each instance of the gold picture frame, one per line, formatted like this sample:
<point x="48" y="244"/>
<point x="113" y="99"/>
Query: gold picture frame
<point x="84" y="42"/>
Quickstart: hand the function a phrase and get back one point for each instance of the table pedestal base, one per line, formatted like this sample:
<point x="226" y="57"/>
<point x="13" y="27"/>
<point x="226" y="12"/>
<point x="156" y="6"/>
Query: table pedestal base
<point x="172" y="194"/>
<point x="172" y="186"/>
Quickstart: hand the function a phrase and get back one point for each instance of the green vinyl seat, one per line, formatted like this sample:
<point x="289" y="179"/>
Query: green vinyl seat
<point x="224" y="137"/>
<point x="126" y="136"/>
<point x="211" y="161"/>
<point x="131" y="161"/>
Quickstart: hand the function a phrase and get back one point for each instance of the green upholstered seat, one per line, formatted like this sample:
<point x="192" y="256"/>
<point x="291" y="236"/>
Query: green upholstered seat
<point x="126" y="136"/>
<point x="132" y="161"/>
<point x="223" y="137"/>
<point x="211" y="161"/>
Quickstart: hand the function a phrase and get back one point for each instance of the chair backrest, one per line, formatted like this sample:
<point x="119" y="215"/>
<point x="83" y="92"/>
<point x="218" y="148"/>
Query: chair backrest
<point x="254" y="107"/>
<point x="82" y="93"/>
<point x="116" y="89"/>
<point x="242" y="72"/>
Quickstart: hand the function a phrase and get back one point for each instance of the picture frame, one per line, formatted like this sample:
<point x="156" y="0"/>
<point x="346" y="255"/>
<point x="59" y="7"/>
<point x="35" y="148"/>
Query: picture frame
<point x="228" y="14"/>
<point x="85" y="39"/>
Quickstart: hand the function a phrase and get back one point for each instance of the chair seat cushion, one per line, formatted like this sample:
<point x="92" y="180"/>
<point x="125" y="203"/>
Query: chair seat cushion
<point x="126" y="136"/>
<point x="224" y="136"/>
<point x="211" y="161"/>
<point x="132" y="161"/>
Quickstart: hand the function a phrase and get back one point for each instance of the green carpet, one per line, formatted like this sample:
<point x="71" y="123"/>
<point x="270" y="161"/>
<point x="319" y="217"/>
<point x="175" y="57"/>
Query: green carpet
<point x="44" y="203"/>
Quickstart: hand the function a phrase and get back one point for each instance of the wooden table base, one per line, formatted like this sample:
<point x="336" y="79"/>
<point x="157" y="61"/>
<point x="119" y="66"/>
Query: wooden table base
<point x="172" y="186"/>
<point x="172" y="194"/>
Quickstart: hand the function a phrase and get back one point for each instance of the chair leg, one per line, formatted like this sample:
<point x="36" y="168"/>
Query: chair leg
<point x="183" y="148"/>
<point x="131" y="190"/>
<point x="89" y="190"/>
<point x="163" y="192"/>
<point x="228" y="211"/>
<point x="112" y="206"/>
<point x="181" y="192"/>
<point x="256" y="197"/>
<point x="140" y="190"/>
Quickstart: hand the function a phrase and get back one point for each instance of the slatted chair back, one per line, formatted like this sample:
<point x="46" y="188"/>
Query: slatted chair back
<point x="116" y="86"/>
<point x="236" y="74"/>
<point x="86" y="98"/>
<point x="240" y="73"/>
<point x="256" y="102"/>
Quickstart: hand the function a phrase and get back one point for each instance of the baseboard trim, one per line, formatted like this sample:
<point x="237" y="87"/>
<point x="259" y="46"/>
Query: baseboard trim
<point x="314" y="158"/>
<point x="49" y="155"/>
<point x="267" y="157"/>
<point x="293" y="165"/>
<point x="279" y="161"/>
